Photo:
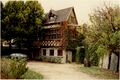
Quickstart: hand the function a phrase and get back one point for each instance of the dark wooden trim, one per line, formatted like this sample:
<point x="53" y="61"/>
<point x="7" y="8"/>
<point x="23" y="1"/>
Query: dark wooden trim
<point x="50" y="46"/>
<point x="45" y="24"/>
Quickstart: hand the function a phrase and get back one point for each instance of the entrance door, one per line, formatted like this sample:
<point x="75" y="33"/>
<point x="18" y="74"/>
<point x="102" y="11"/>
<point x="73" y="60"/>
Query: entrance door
<point x="73" y="56"/>
<point x="68" y="56"/>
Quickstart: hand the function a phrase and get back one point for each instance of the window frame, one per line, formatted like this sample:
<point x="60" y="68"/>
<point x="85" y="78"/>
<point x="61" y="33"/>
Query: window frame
<point x="60" y="52"/>
<point x="44" y="54"/>
<point x="52" y="53"/>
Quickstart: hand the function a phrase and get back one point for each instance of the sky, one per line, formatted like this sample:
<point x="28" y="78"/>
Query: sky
<point x="82" y="7"/>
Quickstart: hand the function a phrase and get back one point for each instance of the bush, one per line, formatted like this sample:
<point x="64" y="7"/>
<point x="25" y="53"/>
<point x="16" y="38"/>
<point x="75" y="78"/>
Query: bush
<point x="31" y="75"/>
<point x="57" y="60"/>
<point x="12" y="68"/>
<point x="78" y="55"/>
<point x="95" y="60"/>
<point x="82" y="55"/>
<point x="53" y="59"/>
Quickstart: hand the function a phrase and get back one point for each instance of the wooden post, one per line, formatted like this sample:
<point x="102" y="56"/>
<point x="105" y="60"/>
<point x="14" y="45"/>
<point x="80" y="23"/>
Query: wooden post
<point x="118" y="64"/>
<point x="109" y="61"/>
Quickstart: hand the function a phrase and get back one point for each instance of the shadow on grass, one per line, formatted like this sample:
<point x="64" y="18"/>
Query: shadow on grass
<point x="100" y="73"/>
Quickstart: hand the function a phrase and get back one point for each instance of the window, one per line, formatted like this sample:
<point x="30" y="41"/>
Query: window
<point x="60" y="53"/>
<point x="51" y="52"/>
<point x="58" y="36"/>
<point x="44" y="52"/>
<point x="52" y="18"/>
<point x="54" y="36"/>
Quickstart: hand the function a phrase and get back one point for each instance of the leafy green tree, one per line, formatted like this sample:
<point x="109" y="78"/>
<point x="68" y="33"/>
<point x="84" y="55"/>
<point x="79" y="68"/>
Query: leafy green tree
<point x="11" y="19"/>
<point x="74" y="41"/>
<point x="22" y="21"/>
<point x="103" y="35"/>
<point x="33" y="13"/>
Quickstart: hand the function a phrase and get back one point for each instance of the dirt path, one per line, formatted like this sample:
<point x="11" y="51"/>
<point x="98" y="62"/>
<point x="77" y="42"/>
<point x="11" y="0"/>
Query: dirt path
<point x="52" y="71"/>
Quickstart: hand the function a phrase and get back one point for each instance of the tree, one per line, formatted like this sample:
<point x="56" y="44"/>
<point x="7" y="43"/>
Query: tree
<point x="34" y="15"/>
<point x="22" y="21"/>
<point x="104" y="33"/>
<point x="11" y="20"/>
<point x="74" y="41"/>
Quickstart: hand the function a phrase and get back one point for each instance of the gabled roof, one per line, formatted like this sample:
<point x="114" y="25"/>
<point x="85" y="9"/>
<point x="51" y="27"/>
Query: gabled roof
<point x="61" y="15"/>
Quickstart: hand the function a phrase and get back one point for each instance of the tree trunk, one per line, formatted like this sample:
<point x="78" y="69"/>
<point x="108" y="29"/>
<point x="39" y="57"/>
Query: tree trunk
<point x="109" y="61"/>
<point x="118" y="64"/>
<point x="102" y="62"/>
<point x="87" y="63"/>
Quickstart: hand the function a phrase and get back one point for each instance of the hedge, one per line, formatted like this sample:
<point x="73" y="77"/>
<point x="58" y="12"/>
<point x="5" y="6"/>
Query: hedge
<point x="53" y="59"/>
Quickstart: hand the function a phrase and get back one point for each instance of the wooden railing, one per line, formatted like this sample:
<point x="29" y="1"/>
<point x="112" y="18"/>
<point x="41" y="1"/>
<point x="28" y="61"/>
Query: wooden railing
<point x="51" y="26"/>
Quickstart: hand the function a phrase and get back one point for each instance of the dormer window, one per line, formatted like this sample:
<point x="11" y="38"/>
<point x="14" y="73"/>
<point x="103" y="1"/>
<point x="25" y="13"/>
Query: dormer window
<point x="52" y="18"/>
<point x="52" y="15"/>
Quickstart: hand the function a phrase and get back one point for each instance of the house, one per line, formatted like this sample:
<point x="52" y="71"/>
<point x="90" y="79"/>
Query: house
<point x="54" y="41"/>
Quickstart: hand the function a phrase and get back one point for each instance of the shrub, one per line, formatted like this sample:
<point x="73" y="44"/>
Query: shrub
<point x="78" y="55"/>
<point x="82" y="55"/>
<point x="12" y="68"/>
<point x="95" y="60"/>
<point x="53" y="59"/>
<point x="58" y="59"/>
<point x="31" y="75"/>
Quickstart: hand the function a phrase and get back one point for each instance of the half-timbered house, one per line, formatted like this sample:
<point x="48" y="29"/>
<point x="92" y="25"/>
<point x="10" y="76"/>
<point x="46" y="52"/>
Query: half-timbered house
<point x="54" y="39"/>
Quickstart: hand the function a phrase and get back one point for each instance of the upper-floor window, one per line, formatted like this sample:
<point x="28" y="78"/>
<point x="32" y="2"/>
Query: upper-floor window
<point x="72" y="20"/>
<point x="52" y="18"/>
<point x="55" y="31"/>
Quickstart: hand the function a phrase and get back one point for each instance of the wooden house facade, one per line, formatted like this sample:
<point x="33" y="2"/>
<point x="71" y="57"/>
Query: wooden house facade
<point x="54" y="40"/>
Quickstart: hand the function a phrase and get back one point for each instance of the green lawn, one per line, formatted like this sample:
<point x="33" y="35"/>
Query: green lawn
<point x="31" y="75"/>
<point x="100" y="73"/>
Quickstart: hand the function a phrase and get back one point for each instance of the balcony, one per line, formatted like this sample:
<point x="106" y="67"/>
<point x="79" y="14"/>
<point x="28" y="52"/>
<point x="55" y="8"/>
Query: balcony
<point x="51" y="26"/>
<point x="51" y="43"/>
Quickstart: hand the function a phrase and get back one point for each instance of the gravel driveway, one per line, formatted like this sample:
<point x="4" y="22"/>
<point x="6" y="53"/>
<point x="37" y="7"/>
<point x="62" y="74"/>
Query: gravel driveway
<point x="52" y="71"/>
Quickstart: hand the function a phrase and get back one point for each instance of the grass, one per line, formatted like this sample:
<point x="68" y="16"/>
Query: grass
<point x="100" y="73"/>
<point x="31" y="75"/>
